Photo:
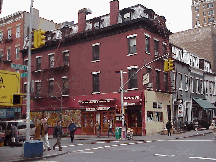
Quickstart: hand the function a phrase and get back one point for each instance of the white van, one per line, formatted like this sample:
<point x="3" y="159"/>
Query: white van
<point x="5" y="126"/>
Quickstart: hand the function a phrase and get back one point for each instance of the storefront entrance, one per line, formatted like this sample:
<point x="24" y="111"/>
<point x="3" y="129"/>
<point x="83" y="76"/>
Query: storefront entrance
<point x="89" y="119"/>
<point x="134" y="119"/>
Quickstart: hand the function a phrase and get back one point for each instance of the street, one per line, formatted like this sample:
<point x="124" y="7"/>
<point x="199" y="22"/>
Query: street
<point x="200" y="148"/>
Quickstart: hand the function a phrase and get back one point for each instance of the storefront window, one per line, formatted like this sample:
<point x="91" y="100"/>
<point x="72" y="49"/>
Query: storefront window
<point x="159" y="116"/>
<point x="154" y="116"/>
<point x="150" y="116"/>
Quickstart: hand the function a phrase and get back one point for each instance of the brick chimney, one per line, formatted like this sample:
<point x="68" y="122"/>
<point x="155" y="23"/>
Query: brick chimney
<point x="82" y="19"/>
<point x="114" y="12"/>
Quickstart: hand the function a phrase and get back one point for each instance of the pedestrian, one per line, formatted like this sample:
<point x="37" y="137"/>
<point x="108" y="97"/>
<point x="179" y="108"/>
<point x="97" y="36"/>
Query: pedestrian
<point x="110" y="128"/>
<point x="14" y="135"/>
<point x="57" y="133"/>
<point x="213" y="128"/>
<point x="72" y="129"/>
<point x="98" y="127"/>
<point x="45" y="136"/>
<point x="168" y="126"/>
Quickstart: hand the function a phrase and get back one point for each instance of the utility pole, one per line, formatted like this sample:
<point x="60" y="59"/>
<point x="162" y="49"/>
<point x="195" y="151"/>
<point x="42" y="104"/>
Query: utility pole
<point x="29" y="76"/>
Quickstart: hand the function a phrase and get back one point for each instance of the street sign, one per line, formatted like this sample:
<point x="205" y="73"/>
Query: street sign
<point x="22" y="75"/>
<point x="17" y="66"/>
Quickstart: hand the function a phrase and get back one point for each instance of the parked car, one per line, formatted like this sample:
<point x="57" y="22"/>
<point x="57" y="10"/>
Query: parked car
<point x="21" y="126"/>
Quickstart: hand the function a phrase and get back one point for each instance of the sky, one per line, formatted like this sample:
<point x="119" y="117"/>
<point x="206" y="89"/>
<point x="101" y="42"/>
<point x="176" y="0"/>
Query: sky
<point x="177" y="13"/>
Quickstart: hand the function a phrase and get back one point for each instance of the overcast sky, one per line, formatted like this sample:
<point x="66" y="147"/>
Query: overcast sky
<point x="177" y="13"/>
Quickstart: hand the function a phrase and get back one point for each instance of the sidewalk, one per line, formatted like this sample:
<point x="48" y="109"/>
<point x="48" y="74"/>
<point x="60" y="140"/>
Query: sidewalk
<point x="15" y="153"/>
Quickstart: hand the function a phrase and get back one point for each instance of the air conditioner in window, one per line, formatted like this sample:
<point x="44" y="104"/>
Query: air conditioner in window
<point x="150" y="85"/>
<point x="156" y="54"/>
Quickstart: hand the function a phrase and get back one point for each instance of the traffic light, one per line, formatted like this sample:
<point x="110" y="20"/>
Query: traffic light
<point x="39" y="37"/>
<point x="16" y="99"/>
<point x="171" y="64"/>
<point x="166" y="68"/>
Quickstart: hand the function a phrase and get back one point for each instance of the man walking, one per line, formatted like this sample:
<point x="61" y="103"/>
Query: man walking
<point x="45" y="136"/>
<point x="110" y="128"/>
<point x="57" y="133"/>
<point x="72" y="128"/>
<point x="169" y="126"/>
<point x="14" y="135"/>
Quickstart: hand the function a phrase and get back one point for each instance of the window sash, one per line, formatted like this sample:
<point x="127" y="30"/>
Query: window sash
<point x="51" y="82"/>
<point x="96" y="83"/>
<point x="17" y="31"/>
<point x="133" y="81"/>
<point x="17" y="52"/>
<point x="9" y="33"/>
<point x="95" y="52"/>
<point x="8" y="54"/>
<point x="132" y="45"/>
<point x="38" y="63"/>
<point x="147" y="44"/>
<point x="51" y="60"/>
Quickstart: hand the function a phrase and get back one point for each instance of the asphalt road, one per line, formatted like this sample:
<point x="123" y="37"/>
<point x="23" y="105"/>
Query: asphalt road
<point x="200" y="148"/>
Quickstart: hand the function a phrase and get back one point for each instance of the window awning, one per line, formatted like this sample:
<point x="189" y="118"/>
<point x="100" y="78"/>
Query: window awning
<point x="204" y="103"/>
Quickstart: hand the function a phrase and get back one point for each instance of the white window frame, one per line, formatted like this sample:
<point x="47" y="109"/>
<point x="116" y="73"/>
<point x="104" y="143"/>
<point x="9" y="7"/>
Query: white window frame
<point x="17" y="52"/>
<point x="191" y="85"/>
<point x="9" y="33"/>
<point x="18" y="31"/>
<point x="186" y="83"/>
<point x="180" y="81"/>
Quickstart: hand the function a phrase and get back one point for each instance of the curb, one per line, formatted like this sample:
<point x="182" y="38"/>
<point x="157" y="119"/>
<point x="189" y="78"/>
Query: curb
<point x="41" y="157"/>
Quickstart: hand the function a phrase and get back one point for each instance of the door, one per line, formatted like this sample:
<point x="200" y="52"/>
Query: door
<point x="88" y="123"/>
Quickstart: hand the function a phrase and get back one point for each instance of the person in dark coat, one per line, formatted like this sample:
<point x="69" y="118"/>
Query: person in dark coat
<point x="57" y="133"/>
<point x="72" y="129"/>
<point x="169" y="126"/>
<point x="14" y="135"/>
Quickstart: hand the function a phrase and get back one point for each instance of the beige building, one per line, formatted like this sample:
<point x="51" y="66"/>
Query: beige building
<point x="203" y="12"/>
<point x="200" y="41"/>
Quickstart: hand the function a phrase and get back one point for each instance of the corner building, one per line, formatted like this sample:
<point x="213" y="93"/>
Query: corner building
<point x="74" y="76"/>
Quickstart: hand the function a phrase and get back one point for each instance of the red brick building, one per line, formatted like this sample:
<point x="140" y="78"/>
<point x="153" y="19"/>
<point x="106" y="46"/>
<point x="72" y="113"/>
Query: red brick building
<point x="74" y="74"/>
<point x="13" y="32"/>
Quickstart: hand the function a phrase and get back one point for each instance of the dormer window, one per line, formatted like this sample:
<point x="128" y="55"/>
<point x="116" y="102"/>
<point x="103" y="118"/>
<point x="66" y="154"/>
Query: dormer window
<point x="126" y="14"/>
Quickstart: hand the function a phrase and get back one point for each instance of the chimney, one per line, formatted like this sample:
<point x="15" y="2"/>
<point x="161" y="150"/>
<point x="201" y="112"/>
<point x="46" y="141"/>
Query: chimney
<point x="82" y="19"/>
<point x="114" y="12"/>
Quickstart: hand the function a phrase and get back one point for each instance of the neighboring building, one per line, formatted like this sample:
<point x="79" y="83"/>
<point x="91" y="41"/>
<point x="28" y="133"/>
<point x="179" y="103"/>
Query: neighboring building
<point x="180" y="77"/>
<point x="194" y="85"/>
<point x="13" y="31"/>
<point x="203" y="13"/>
<point x="201" y="41"/>
<point x="74" y="74"/>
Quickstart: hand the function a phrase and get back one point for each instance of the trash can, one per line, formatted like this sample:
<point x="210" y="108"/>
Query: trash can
<point x="33" y="148"/>
<point x="118" y="133"/>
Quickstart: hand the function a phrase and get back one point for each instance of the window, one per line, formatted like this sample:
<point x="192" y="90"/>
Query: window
<point x="26" y="62"/>
<point x="201" y="86"/>
<point x="38" y="88"/>
<point x="95" y="52"/>
<point x="204" y="13"/>
<point x="211" y="19"/>
<point x="132" y="45"/>
<point x="197" y="23"/>
<point x="191" y="84"/>
<point x="210" y="87"/>
<point x="132" y="75"/>
<point x="25" y="87"/>
<point x="1" y="36"/>
<point x="197" y="85"/>
<point x="96" y="84"/>
<point x="164" y="48"/>
<point x="1" y="55"/>
<point x="17" y="31"/>
<point x="66" y="58"/>
<point x="206" y="87"/>
<point x="154" y="116"/>
<point x="204" y="20"/>
<point x="210" y="5"/>
<point x="17" y="52"/>
<point x="126" y="17"/>
<point x="159" y="116"/>
<point x="213" y="88"/>
<point x="166" y="81"/>
<point x="65" y="87"/>
<point x="197" y="8"/>
<point x="38" y="63"/>
<point x="186" y="83"/>
<point x="8" y="55"/>
<point x="157" y="73"/>
<point x="211" y="12"/>
<point x="9" y="33"/>
<point x="147" y="44"/>
<point x="180" y="81"/>
<point x="51" y="83"/>
<point x="197" y="16"/>
<point x="156" y="44"/>
<point x="204" y="7"/>
<point x="51" y="60"/>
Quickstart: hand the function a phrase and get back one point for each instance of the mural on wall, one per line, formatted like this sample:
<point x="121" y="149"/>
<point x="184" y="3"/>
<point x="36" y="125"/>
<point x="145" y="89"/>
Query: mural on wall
<point x="54" y="116"/>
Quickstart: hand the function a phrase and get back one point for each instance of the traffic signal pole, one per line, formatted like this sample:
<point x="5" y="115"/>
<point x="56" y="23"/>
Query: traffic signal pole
<point x="29" y="76"/>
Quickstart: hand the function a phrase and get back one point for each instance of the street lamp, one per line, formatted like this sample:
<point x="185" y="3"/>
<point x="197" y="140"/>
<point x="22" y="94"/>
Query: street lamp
<point x="122" y="91"/>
